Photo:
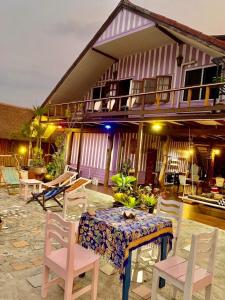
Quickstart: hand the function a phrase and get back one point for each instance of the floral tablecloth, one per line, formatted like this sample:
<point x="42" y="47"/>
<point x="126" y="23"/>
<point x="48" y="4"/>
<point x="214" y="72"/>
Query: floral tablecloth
<point x="110" y="234"/>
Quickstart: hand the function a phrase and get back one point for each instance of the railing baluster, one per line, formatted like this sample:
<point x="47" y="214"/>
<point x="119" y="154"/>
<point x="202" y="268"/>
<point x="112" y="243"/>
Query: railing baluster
<point x="207" y="95"/>
<point x="158" y="100"/>
<point x="172" y="98"/>
<point x="189" y="96"/>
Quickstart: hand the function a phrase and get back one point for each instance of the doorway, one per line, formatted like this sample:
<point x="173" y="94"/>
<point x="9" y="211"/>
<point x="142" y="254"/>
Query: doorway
<point x="150" y="166"/>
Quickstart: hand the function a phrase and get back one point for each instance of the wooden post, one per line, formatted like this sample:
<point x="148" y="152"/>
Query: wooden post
<point x="120" y="151"/>
<point x="108" y="159"/>
<point x="80" y="149"/>
<point x="69" y="139"/>
<point x="138" y="151"/>
<point x="164" y="163"/>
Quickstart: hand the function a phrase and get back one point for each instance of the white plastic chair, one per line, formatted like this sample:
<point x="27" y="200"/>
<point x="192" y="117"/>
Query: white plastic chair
<point x="186" y="186"/>
<point x="186" y="275"/>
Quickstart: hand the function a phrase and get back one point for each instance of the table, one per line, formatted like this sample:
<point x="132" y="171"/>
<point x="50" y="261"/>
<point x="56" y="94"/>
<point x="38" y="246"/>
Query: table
<point x="33" y="183"/>
<point x="110" y="234"/>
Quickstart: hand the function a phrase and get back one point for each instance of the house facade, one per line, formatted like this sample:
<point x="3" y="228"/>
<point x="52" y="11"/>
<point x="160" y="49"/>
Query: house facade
<point x="141" y="69"/>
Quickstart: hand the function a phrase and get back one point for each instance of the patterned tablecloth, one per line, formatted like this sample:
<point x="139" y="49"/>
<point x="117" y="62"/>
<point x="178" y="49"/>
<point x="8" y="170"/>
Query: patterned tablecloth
<point x="110" y="234"/>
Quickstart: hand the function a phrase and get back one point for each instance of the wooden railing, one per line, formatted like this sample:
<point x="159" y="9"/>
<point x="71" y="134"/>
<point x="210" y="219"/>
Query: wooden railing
<point x="141" y="104"/>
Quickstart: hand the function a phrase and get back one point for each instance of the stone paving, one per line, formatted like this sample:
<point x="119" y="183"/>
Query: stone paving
<point x="21" y="249"/>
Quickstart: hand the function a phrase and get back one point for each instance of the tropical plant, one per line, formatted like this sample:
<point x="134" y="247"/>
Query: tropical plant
<point x="34" y="131"/>
<point x="123" y="183"/>
<point x="57" y="165"/>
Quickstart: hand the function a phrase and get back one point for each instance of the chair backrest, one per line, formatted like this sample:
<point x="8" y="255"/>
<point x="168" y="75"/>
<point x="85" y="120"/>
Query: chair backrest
<point x="10" y="175"/>
<point x="182" y="179"/>
<point x="63" y="232"/>
<point x="78" y="184"/>
<point x="75" y="198"/>
<point x="203" y="244"/>
<point x="219" y="182"/>
<point x="63" y="179"/>
<point x="173" y="210"/>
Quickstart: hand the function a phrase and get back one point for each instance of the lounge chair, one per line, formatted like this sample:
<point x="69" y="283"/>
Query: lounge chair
<point x="11" y="178"/>
<point x="79" y="184"/>
<point x="49" y="194"/>
<point x="66" y="178"/>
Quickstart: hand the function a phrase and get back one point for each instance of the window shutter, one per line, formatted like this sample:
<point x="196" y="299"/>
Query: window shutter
<point x="164" y="83"/>
<point x="149" y="85"/>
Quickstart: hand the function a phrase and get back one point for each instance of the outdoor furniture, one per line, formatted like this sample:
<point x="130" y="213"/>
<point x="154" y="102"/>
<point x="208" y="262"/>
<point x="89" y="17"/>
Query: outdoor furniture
<point x="10" y="176"/>
<point x="183" y="182"/>
<point x="71" y="199"/>
<point x="49" y="194"/>
<point x="66" y="178"/>
<point x="186" y="275"/>
<point x="67" y="262"/>
<point x="108" y="229"/>
<point x="27" y="183"/>
<point x="172" y="210"/>
<point x="79" y="184"/>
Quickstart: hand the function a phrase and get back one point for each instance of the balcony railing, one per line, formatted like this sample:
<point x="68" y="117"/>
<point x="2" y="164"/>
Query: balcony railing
<point x="173" y="101"/>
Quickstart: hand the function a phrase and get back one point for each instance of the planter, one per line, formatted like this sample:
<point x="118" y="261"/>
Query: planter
<point x="38" y="170"/>
<point x="151" y="209"/>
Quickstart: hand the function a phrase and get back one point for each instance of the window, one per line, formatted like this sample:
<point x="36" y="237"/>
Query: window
<point x="198" y="77"/>
<point x="137" y="88"/>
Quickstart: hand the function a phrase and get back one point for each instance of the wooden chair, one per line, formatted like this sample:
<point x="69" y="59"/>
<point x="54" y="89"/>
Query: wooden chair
<point x="173" y="210"/>
<point x="69" y="261"/>
<point x="186" y="275"/>
<point x="79" y="184"/>
<point x="182" y="182"/>
<point x="11" y="178"/>
<point x="66" y="178"/>
<point x="168" y="209"/>
<point x="75" y="198"/>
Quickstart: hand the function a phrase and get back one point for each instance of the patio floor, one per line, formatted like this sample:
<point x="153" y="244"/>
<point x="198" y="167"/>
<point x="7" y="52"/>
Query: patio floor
<point x="21" y="249"/>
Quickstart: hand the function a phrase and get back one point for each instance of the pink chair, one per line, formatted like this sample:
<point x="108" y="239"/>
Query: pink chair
<point x="69" y="261"/>
<point x="186" y="275"/>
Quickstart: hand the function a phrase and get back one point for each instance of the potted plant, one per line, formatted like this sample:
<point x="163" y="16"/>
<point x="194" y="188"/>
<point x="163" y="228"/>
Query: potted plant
<point x="123" y="190"/>
<point x="148" y="197"/>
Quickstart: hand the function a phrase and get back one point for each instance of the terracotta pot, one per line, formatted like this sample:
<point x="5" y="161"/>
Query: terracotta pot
<point x="38" y="170"/>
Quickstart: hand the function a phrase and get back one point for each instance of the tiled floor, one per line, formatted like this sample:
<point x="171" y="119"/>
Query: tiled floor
<point x="21" y="248"/>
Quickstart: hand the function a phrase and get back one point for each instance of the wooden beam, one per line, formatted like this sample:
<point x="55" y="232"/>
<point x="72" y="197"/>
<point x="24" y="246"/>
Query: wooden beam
<point x="80" y="150"/>
<point x="169" y="34"/>
<point x="108" y="159"/>
<point x="165" y="151"/>
<point x="139" y="150"/>
<point x="105" y="54"/>
<point x="69" y="140"/>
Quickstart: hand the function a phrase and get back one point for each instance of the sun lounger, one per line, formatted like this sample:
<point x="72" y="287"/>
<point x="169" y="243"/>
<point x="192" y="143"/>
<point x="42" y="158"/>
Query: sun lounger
<point x="66" y="178"/>
<point x="49" y="194"/>
<point x="11" y="178"/>
<point x="78" y="184"/>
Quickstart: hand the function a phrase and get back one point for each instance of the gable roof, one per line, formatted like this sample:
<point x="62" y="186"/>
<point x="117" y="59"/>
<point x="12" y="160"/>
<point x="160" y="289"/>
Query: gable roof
<point x="90" y="64"/>
<point x="12" y="118"/>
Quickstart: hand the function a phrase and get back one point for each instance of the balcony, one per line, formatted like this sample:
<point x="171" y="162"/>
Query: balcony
<point x="167" y="104"/>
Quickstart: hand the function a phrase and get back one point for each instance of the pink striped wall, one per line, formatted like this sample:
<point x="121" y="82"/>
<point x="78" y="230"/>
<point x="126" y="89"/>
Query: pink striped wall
<point x="155" y="62"/>
<point x="124" y="23"/>
<point x="94" y="149"/>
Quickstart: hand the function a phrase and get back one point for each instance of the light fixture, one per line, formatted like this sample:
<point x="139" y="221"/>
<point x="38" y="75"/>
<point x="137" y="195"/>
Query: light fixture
<point x="59" y="127"/>
<point x="108" y="127"/>
<point x="179" y="60"/>
<point x="22" y="150"/>
<point x="156" y="127"/>
<point x="216" y="151"/>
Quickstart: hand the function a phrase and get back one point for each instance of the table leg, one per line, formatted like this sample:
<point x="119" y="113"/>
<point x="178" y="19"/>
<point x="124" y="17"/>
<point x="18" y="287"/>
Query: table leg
<point x="126" y="280"/>
<point x="162" y="257"/>
<point x="26" y="191"/>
